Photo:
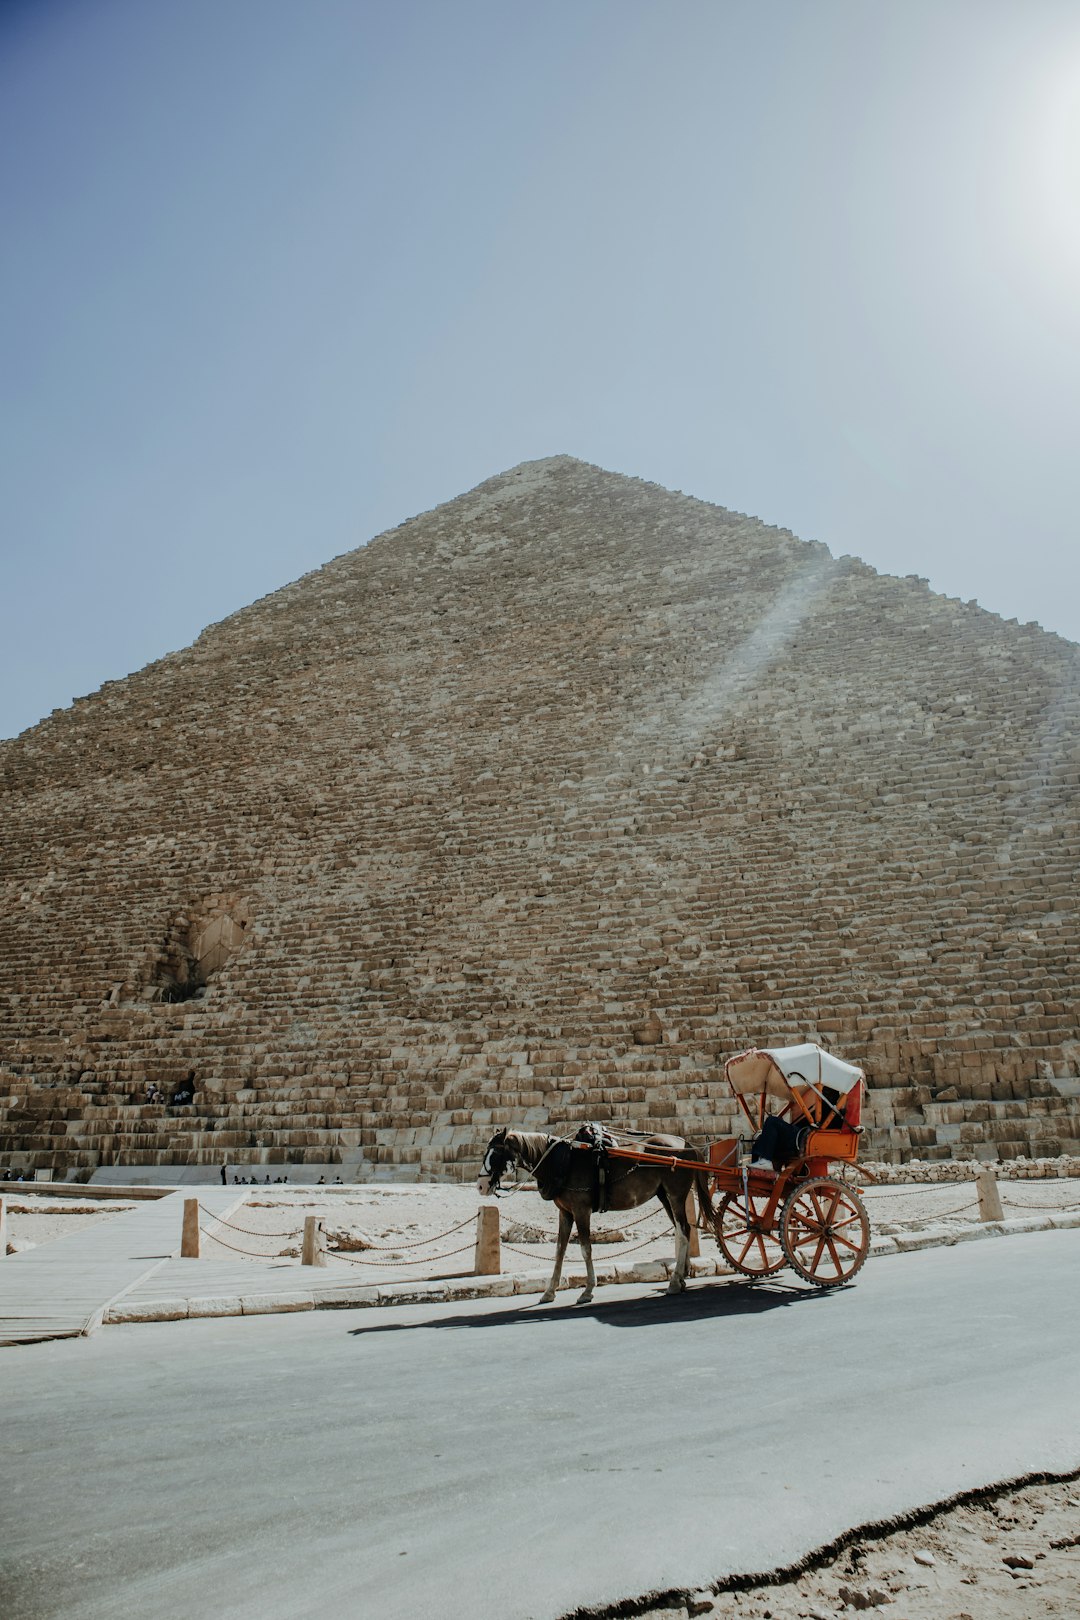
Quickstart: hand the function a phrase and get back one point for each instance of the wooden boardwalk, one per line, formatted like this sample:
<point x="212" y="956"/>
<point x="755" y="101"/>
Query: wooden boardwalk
<point x="64" y="1287"/>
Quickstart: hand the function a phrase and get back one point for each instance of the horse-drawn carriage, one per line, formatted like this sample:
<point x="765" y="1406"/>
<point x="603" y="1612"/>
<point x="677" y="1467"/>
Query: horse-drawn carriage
<point x="779" y="1202"/>
<point x="793" y="1210"/>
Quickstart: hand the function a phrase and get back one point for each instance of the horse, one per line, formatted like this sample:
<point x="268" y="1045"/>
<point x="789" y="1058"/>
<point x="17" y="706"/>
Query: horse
<point x="627" y="1186"/>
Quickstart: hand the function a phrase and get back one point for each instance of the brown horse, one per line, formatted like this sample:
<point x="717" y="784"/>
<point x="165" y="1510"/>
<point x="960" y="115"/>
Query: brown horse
<point x="627" y="1186"/>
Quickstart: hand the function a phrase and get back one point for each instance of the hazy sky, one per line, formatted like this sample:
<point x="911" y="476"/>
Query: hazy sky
<point x="277" y="274"/>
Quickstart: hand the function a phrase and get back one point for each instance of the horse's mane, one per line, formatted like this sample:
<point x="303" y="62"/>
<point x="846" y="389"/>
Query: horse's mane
<point x="529" y="1146"/>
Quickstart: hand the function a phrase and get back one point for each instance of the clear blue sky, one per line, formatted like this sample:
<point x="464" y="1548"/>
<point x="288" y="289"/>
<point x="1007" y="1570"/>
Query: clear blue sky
<point x="277" y="274"/>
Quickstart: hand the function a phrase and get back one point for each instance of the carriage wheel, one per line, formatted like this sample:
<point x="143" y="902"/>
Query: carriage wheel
<point x="745" y="1240"/>
<point x="825" y="1231"/>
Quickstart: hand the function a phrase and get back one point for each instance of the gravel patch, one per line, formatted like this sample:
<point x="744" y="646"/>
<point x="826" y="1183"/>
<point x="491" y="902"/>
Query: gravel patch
<point x="1012" y="1555"/>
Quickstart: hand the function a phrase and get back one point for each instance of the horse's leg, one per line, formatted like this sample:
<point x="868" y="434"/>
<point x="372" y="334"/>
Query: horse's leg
<point x="677" y="1215"/>
<point x="566" y="1221"/>
<point x="584" y="1232"/>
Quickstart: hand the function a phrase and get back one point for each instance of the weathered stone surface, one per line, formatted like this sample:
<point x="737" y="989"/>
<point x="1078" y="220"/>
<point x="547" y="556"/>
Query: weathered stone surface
<point x="216" y="1305"/>
<point x="531" y="810"/>
<point x="267" y="1304"/>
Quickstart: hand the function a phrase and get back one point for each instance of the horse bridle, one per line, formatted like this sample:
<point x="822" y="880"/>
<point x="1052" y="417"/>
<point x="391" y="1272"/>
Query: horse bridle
<point x="497" y="1160"/>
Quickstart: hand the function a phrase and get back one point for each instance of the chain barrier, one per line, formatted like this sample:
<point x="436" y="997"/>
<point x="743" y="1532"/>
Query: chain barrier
<point x="246" y="1252"/>
<point x="944" y="1214"/>
<point x="902" y="1189"/>
<point x="359" y="1260"/>
<point x="1013" y="1204"/>
<point x="392" y="1248"/>
<point x="523" y="1252"/>
<point x="387" y="1247"/>
<point x="551" y="1234"/>
<point x="623" y="1251"/>
<point x="247" y="1231"/>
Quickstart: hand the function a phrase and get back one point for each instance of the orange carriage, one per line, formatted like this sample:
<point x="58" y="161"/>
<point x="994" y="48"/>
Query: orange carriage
<point x="798" y="1213"/>
<point x="794" y="1210"/>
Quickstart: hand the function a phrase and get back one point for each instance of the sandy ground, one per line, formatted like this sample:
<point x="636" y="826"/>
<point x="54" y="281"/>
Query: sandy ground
<point x="418" y="1231"/>
<point x="428" y="1230"/>
<point x="1014" y="1556"/>
<point x="409" y="1230"/>
<point x="37" y="1219"/>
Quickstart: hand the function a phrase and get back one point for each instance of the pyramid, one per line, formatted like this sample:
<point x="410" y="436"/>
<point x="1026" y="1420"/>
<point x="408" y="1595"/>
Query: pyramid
<point x="533" y="810"/>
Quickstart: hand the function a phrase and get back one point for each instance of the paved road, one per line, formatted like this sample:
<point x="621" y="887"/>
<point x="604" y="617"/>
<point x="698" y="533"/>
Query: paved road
<point x="498" y="1462"/>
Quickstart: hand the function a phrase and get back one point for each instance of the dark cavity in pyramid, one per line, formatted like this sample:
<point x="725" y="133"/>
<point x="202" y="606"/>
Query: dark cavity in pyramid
<point x="533" y="810"/>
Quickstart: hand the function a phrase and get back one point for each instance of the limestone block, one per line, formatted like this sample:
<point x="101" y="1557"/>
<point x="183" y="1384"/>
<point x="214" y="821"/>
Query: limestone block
<point x="224" y="1305"/>
<point x="158" y="1310"/>
<point x="268" y="1304"/>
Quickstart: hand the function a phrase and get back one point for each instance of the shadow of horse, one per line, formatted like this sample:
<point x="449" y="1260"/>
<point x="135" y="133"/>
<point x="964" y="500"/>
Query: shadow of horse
<point x="712" y="1303"/>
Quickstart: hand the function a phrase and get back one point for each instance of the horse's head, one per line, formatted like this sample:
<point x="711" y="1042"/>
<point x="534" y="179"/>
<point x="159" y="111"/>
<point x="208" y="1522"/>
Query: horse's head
<point x="497" y="1160"/>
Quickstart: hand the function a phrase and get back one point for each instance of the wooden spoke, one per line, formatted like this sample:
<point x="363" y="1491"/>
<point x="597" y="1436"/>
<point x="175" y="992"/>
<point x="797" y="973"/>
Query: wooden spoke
<point x="825" y="1231"/>
<point x="745" y="1240"/>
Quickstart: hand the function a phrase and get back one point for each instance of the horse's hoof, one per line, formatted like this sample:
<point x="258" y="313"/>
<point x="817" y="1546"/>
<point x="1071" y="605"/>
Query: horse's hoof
<point x="676" y="1286"/>
<point x="546" y="1299"/>
<point x="585" y="1298"/>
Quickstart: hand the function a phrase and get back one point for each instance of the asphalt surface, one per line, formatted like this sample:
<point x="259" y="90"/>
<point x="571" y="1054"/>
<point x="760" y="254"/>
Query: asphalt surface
<point x="504" y="1460"/>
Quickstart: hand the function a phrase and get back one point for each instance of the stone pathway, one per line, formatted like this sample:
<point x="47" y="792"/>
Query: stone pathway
<point x="64" y="1288"/>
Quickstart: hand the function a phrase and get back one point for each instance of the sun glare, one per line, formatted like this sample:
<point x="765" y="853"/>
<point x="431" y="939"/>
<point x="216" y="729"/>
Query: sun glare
<point x="1054" y="166"/>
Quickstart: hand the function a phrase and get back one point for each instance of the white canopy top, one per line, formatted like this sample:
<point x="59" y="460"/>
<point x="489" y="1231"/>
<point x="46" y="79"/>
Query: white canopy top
<point x="774" y="1069"/>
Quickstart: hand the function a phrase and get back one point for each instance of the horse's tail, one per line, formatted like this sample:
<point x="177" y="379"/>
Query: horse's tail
<point x="708" y="1209"/>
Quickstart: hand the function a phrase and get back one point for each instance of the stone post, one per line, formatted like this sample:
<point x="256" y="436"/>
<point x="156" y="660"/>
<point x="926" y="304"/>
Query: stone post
<point x="488" y="1260"/>
<point x="989" y="1198"/>
<point x="312" y="1252"/>
<point x="692" y="1217"/>
<point x="189" y="1240"/>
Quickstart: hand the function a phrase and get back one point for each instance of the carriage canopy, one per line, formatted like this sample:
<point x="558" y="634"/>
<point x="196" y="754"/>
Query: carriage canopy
<point x="774" y="1070"/>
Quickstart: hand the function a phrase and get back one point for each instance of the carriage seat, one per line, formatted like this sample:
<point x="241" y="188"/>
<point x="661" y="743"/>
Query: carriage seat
<point x="836" y="1129"/>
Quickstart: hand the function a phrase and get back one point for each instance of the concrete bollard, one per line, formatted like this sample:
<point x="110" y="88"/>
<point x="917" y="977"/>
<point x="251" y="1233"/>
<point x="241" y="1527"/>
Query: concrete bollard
<point x="693" y="1217"/>
<point x="312" y="1252"/>
<point x="3" y="1228"/>
<point x="189" y="1238"/>
<point x="989" y="1198"/>
<point x="488" y="1260"/>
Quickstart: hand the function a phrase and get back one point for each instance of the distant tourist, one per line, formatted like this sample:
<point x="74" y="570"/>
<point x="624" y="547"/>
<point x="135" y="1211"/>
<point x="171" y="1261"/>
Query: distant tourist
<point x="224" y="1175"/>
